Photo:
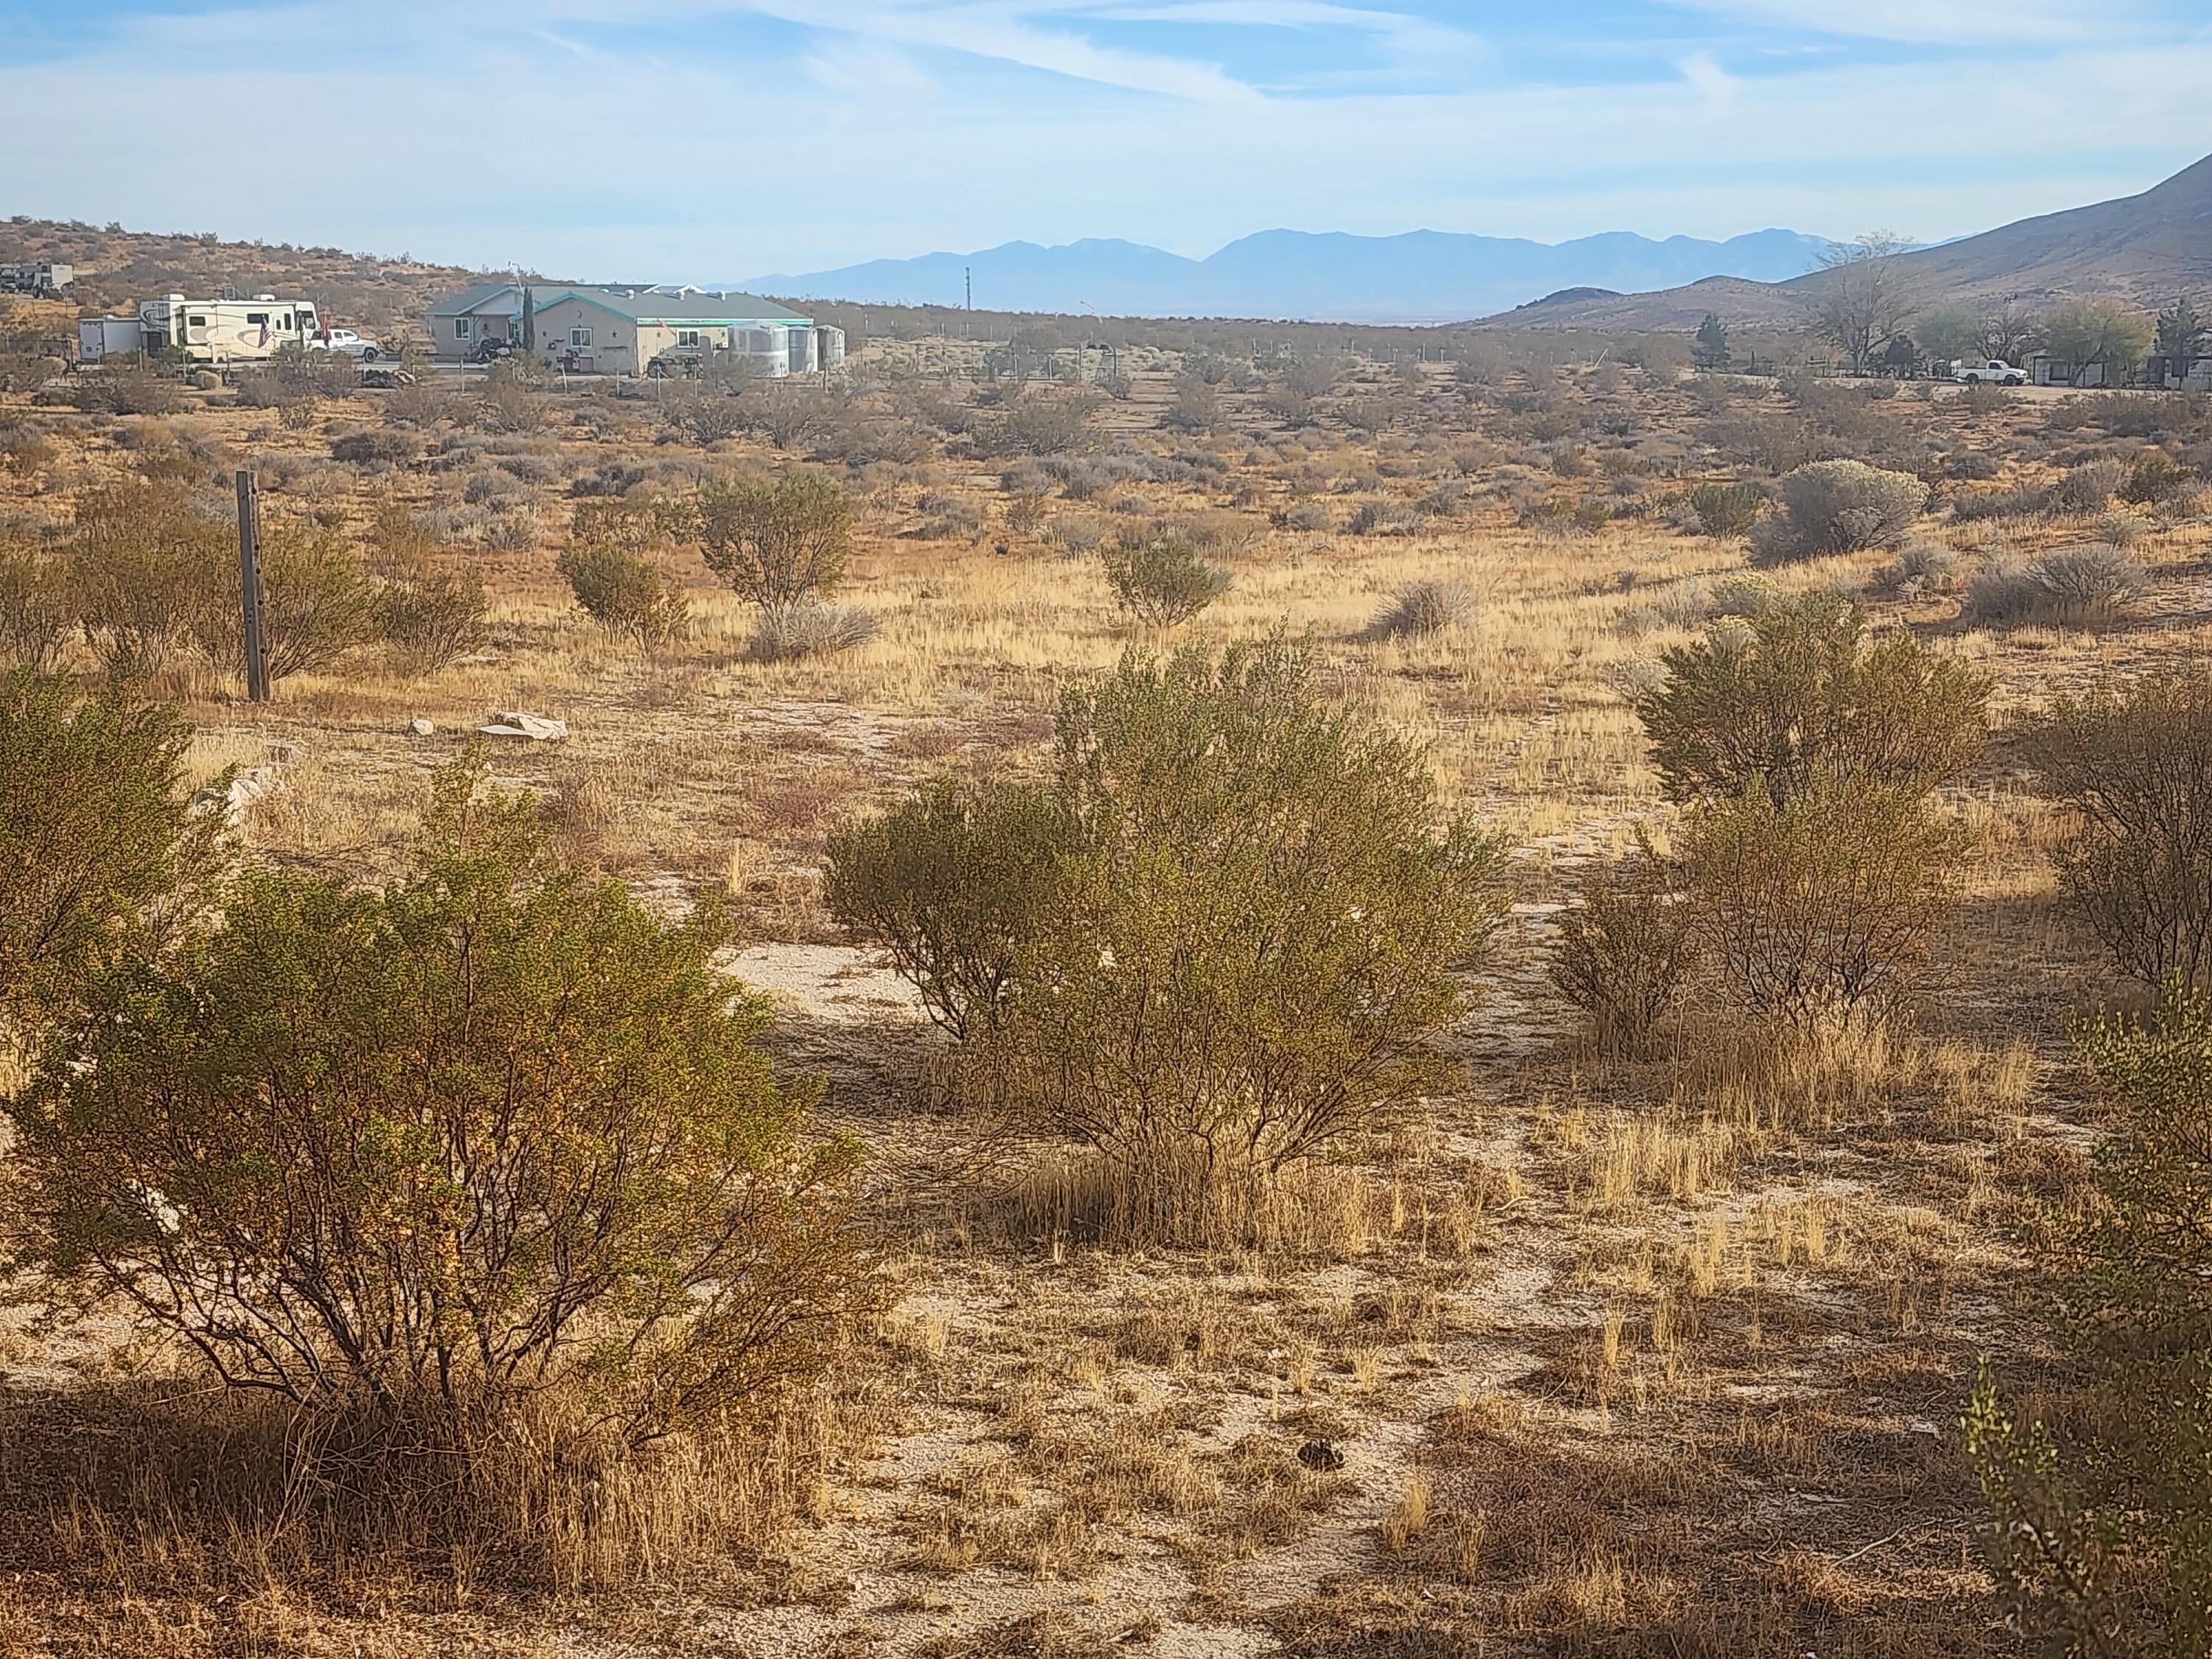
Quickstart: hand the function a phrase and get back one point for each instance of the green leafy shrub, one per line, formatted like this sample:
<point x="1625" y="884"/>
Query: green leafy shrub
<point x="436" y="1158"/>
<point x="433" y="616"/>
<point x="1161" y="579"/>
<point x="2097" y="1501"/>
<point x="36" y="617"/>
<point x="2156" y="477"/>
<point x="318" y="606"/>
<point x="1212" y="951"/>
<point x="98" y="850"/>
<point x="777" y="544"/>
<point x="952" y="881"/>
<point x="1819" y="907"/>
<point x="1725" y="509"/>
<point x="1837" y="506"/>
<point x="2134" y="764"/>
<point x="1625" y="945"/>
<point x="140" y="568"/>
<point x="610" y="568"/>
<point x="1793" y="696"/>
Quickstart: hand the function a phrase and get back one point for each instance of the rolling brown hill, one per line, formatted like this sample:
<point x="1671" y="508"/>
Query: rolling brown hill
<point x="2146" y="248"/>
<point x="117" y="268"/>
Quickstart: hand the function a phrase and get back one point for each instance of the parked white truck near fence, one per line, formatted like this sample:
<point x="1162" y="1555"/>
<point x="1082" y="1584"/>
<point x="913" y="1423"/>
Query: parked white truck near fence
<point x="1990" y="369"/>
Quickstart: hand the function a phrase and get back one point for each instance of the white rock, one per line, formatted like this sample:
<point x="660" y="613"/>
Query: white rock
<point x="420" y="727"/>
<point x="248" y="786"/>
<point x="511" y="723"/>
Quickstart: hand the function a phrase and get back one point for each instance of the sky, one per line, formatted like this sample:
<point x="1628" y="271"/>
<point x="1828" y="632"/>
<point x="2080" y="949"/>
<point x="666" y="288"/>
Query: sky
<point x="704" y="140"/>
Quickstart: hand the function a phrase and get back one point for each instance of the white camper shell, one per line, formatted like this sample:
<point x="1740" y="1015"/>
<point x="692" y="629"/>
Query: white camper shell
<point x="228" y="330"/>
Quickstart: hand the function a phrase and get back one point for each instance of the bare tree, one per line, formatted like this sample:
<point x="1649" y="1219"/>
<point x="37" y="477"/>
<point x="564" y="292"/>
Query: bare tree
<point x="2011" y="328"/>
<point x="1865" y="302"/>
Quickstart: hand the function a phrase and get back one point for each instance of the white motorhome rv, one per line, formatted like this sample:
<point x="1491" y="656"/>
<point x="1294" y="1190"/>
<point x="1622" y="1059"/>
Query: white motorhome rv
<point x="228" y="330"/>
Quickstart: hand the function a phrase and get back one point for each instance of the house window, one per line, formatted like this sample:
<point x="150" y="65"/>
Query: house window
<point x="580" y="337"/>
<point x="463" y="327"/>
<point x="687" y="337"/>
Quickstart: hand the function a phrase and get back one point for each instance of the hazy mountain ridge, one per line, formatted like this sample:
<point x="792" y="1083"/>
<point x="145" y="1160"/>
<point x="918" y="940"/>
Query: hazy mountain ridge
<point x="1420" y="277"/>
<point x="2145" y="248"/>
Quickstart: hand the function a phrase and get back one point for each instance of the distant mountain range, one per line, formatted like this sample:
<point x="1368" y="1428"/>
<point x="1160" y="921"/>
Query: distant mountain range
<point x="1425" y="276"/>
<point x="2146" y="249"/>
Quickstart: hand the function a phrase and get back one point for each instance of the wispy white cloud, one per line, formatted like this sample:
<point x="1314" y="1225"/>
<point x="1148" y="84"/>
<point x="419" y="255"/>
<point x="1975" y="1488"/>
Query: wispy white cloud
<point x="801" y="134"/>
<point x="1931" y="22"/>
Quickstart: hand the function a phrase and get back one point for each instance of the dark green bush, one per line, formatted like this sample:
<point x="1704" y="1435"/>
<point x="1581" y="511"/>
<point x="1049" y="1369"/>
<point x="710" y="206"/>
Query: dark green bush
<point x="1725" y="509"/>
<point x="952" y="881"/>
<point x="2134" y="764"/>
<point x="1625" y="945"/>
<point x="1214" y="949"/>
<point x="2096" y="1534"/>
<point x="1792" y="696"/>
<point x="98" y="850"/>
<point x="1819" y="908"/>
<point x="427" y="1155"/>
<point x="1161" y="579"/>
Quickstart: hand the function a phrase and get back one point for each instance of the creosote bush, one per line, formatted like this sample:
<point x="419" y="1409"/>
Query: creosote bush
<point x="99" y="854"/>
<point x="139" y="567"/>
<point x="1625" y="947"/>
<point x="433" y="615"/>
<point x="1793" y="696"/>
<point x="2135" y="764"/>
<point x="1161" y="579"/>
<point x="318" y="604"/>
<point x="952" y="881"/>
<point x="1721" y="510"/>
<point x="1211" y="953"/>
<point x="484" y="1165"/>
<point x="36" y="617"/>
<point x="610" y="568"/>
<point x="1819" y="908"/>
<point x="2097" y="1501"/>
<point x="1837" y="506"/>
<point x="780" y="544"/>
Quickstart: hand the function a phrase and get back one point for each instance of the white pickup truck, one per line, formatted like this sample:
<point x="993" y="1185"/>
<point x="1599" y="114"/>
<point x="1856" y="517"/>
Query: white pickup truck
<point x="345" y="340"/>
<point x="1992" y="371"/>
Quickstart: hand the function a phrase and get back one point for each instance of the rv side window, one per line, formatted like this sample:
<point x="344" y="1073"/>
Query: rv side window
<point x="286" y="321"/>
<point x="257" y="319"/>
<point x="196" y="322"/>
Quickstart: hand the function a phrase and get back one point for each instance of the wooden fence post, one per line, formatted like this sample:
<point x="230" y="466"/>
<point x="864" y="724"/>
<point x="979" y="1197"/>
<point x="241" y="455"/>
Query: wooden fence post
<point x="252" y="601"/>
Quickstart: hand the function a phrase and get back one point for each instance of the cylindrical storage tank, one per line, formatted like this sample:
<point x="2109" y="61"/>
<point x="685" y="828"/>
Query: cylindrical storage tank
<point x="829" y="347"/>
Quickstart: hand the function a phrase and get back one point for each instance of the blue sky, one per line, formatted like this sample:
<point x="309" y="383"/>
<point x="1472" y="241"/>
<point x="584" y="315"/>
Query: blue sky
<point x="709" y="139"/>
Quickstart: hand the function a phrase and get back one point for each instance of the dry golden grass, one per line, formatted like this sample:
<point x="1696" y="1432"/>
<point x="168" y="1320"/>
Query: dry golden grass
<point x="1660" y="1358"/>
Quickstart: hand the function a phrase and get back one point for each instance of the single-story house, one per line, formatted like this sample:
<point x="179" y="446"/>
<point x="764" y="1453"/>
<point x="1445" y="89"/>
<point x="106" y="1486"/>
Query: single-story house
<point x="620" y="330"/>
<point x="489" y="310"/>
